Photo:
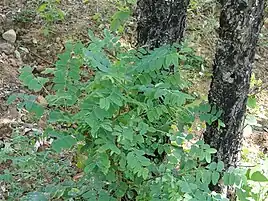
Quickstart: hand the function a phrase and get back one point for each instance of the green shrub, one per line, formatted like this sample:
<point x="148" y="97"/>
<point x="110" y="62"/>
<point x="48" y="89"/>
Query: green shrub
<point x="127" y="112"/>
<point x="50" y="12"/>
<point x="26" y="170"/>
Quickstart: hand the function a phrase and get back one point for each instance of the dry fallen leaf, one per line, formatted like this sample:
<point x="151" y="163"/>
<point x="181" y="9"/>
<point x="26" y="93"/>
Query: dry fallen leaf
<point x="42" y="101"/>
<point x="78" y="176"/>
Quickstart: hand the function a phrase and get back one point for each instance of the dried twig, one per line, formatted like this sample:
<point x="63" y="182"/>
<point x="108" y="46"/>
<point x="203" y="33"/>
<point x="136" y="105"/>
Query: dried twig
<point x="31" y="52"/>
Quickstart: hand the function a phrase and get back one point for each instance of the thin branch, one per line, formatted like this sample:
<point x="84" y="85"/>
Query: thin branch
<point x="41" y="58"/>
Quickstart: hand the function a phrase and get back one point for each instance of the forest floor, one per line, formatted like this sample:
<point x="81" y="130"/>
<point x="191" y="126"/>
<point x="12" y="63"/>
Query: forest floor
<point x="37" y="43"/>
<point x="34" y="47"/>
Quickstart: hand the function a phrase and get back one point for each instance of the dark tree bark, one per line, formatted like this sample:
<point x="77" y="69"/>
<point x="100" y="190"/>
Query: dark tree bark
<point x="240" y="25"/>
<point x="160" y="21"/>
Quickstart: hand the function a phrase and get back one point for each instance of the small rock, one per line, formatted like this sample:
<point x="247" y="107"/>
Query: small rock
<point x="24" y="49"/>
<point x="17" y="54"/>
<point x="40" y="68"/>
<point x="58" y="39"/>
<point x="101" y="26"/>
<point x="257" y="57"/>
<point x="10" y="36"/>
<point x="6" y="48"/>
<point x="34" y="41"/>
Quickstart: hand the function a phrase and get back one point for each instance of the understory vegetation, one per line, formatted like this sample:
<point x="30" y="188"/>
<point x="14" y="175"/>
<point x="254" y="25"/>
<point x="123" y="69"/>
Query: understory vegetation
<point x="121" y="123"/>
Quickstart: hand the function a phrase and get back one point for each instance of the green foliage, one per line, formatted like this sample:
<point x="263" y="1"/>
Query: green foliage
<point x="209" y="114"/>
<point x="124" y="110"/>
<point x="30" y="175"/>
<point x="254" y="111"/>
<point x="50" y="12"/>
<point x="254" y="185"/>
<point x="28" y="102"/>
<point x="26" y="170"/>
<point x="119" y="19"/>
<point x="29" y="80"/>
<point x="25" y="16"/>
<point x="252" y="102"/>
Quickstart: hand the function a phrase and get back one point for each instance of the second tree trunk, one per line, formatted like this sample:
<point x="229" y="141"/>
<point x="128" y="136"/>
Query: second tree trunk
<point x="240" y="25"/>
<point x="160" y="21"/>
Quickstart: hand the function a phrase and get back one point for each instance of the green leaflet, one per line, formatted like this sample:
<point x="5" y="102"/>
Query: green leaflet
<point x="29" y="80"/>
<point x="63" y="142"/>
<point x="258" y="176"/>
<point x="119" y="18"/>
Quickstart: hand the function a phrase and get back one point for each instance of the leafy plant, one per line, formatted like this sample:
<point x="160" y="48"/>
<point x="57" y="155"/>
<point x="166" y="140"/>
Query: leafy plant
<point x="50" y="12"/>
<point x="123" y="14"/>
<point x="126" y="113"/>
<point x="26" y="169"/>
<point x="255" y="183"/>
<point x="25" y="16"/>
<point x="119" y="18"/>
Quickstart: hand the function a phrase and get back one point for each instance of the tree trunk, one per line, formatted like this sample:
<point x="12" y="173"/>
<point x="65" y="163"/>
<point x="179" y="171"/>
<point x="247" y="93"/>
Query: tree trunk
<point x="160" y="21"/>
<point x="240" y="25"/>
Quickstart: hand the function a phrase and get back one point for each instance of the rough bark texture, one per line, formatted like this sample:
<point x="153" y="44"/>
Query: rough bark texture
<point x="160" y="21"/>
<point x="240" y="24"/>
